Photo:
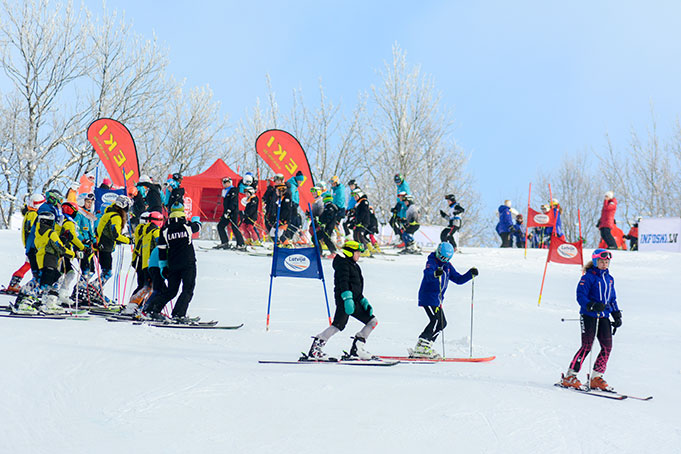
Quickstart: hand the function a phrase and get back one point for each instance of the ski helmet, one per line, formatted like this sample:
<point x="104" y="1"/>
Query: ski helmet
<point x="444" y="252"/>
<point x="451" y="198"/>
<point x="248" y="179"/>
<point x="603" y="254"/>
<point x="156" y="218"/>
<point x="250" y="190"/>
<point x="54" y="197"/>
<point x="69" y="209"/>
<point x="46" y="217"/>
<point x="123" y="202"/>
<point x="144" y="179"/>
<point x="227" y="180"/>
<point x="36" y="201"/>
<point x="335" y="180"/>
<point x="350" y="247"/>
<point x="352" y="182"/>
<point x="278" y="177"/>
<point x="144" y="217"/>
<point x="399" y="178"/>
<point x="177" y="176"/>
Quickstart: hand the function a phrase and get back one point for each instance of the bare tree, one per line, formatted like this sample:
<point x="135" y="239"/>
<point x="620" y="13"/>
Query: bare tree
<point x="413" y="137"/>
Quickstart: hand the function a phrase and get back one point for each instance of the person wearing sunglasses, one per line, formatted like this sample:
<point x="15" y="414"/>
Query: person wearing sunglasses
<point x="598" y="301"/>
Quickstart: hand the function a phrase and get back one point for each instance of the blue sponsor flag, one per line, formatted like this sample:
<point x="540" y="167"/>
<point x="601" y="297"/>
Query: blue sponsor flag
<point x="105" y="197"/>
<point x="301" y="262"/>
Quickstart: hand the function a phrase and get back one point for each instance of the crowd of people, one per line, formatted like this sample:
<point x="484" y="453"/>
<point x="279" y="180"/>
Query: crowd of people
<point x="513" y="232"/>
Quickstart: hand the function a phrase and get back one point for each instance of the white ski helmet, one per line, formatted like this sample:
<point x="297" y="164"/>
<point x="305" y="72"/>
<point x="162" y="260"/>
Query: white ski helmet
<point x="36" y="200"/>
<point x="123" y="202"/>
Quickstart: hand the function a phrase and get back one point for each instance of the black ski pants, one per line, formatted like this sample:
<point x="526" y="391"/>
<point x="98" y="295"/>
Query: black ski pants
<point x="436" y="323"/>
<point x="447" y="235"/>
<point x="340" y="318"/>
<point x="185" y="276"/>
<point x="594" y="327"/>
<point x="506" y="239"/>
<point x="606" y="235"/>
<point x="229" y="222"/>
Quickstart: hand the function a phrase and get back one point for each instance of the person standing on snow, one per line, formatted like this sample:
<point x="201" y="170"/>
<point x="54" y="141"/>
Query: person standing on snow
<point x="453" y="219"/>
<point x="176" y="252"/>
<point x="350" y="301"/>
<point x="436" y="275"/>
<point x="597" y="302"/>
<point x="109" y="234"/>
<point x="411" y="225"/>
<point x="338" y="191"/>
<point x="519" y="231"/>
<point x="230" y="216"/>
<point x="607" y="219"/>
<point x="505" y="225"/>
<point x="30" y="213"/>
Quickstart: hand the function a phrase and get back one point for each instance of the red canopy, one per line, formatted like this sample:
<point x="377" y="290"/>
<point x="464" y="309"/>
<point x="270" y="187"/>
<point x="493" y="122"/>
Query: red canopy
<point x="203" y="192"/>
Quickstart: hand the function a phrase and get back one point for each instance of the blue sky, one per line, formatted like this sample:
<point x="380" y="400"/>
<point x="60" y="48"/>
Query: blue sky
<point x="526" y="81"/>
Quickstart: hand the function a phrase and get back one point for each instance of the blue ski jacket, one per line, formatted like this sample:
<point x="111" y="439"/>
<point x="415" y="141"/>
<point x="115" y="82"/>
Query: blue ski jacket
<point x="403" y="187"/>
<point x="505" y="220"/>
<point x="433" y="288"/>
<point x="339" y="196"/>
<point x="598" y="286"/>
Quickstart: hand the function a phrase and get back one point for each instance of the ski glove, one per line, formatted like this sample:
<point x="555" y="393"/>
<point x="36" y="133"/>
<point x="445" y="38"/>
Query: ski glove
<point x="227" y="213"/>
<point x="443" y="214"/>
<point x="593" y="306"/>
<point x="474" y="271"/>
<point x="348" y="302"/>
<point x="617" y="321"/>
<point x="439" y="272"/>
<point x="367" y="307"/>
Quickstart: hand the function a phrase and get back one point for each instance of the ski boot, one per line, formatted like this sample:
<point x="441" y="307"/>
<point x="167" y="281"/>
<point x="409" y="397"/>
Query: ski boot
<point x="424" y="349"/>
<point x="316" y="353"/>
<point x="50" y="304"/>
<point x="357" y="351"/>
<point x="14" y="286"/>
<point x="570" y="380"/>
<point x="184" y="320"/>
<point x="25" y="305"/>
<point x="597" y="382"/>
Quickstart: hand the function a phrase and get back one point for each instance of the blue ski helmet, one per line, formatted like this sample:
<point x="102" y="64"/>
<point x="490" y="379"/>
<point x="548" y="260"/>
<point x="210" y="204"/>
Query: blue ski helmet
<point x="600" y="254"/>
<point x="444" y="252"/>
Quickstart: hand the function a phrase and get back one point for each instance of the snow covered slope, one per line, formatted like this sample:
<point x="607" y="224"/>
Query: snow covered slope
<point x="93" y="386"/>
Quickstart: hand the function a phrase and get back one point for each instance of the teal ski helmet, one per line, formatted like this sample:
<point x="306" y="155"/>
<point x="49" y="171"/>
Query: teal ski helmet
<point x="444" y="252"/>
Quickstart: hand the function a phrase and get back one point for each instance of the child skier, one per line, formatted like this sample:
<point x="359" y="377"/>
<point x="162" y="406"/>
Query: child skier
<point x="453" y="219"/>
<point x="109" y="234"/>
<point x="436" y="276"/>
<point x="350" y="301"/>
<point x="30" y="215"/>
<point x="597" y="301"/>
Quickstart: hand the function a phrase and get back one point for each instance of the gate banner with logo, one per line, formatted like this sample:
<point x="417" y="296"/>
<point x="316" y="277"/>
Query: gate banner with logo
<point x="539" y="219"/>
<point x="303" y="263"/>
<point x="105" y="197"/>
<point x="560" y="251"/>
<point x="116" y="148"/>
<point x="659" y="234"/>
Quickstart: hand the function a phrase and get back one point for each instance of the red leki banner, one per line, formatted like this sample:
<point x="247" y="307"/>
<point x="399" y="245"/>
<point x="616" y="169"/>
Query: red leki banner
<point x="284" y="154"/>
<point x="116" y="148"/>
<point x="561" y="251"/>
<point x="539" y="219"/>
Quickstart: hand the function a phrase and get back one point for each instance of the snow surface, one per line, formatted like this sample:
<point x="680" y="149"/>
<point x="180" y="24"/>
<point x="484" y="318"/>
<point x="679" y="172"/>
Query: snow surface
<point x="93" y="386"/>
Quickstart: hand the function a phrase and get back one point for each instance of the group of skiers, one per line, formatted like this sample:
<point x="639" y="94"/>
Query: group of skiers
<point x="512" y="231"/>
<point x="57" y="231"/>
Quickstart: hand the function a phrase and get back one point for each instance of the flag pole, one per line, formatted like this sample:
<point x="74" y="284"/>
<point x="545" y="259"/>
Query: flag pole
<point x="319" y="261"/>
<point x="541" y="290"/>
<point x="274" y="261"/>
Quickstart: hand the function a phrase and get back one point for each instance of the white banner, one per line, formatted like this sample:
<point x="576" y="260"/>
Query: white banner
<point x="659" y="234"/>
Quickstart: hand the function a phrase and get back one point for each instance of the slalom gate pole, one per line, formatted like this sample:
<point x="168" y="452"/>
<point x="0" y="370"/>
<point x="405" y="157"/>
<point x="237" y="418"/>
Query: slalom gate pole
<point x="98" y="267"/>
<point x="541" y="290"/>
<point x="319" y="261"/>
<point x="274" y="261"/>
<point x="472" y="298"/>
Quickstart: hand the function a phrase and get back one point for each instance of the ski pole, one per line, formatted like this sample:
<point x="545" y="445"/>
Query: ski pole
<point x="591" y="356"/>
<point x="442" y="317"/>
<point x="472" y="296"/>
<point x="569" y="319"/>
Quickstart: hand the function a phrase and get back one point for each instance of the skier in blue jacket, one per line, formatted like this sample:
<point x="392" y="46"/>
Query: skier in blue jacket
<point x="597" y="302"/>
<point x="436" y="276"/>
<point x="505" y="225"/>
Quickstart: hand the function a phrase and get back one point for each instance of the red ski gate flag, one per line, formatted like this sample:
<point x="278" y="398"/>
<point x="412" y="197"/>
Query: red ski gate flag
<point x="116" y="148"/>
<point x="561" y="251"/>
<point x="284" y="154"/>
<point x="539" y="219"/>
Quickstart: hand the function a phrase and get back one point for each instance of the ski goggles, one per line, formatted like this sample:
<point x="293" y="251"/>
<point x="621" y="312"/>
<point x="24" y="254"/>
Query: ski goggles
<point x="226" y="180"/>
<point x="89" y="196"/>
<point x="604" y="255"/>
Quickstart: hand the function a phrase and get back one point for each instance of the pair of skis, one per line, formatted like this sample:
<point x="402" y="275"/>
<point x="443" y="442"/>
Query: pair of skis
<point x="213" y="324"/>
<point x="380" y="361"/>
<point x="600" y="393"/>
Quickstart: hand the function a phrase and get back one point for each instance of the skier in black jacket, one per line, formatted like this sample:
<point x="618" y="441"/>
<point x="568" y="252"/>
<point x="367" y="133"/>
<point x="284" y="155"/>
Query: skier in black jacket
<point x="362" y="217"/>
<point x="230" y="215"/>
<point x="177" y="261"/>
<point x="453" y="219"/>
<point x="350" y="300"/>
<point x="151" y="193"/>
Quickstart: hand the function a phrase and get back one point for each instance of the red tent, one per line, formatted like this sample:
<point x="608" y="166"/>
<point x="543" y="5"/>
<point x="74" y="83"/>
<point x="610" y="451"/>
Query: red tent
<point x="203" y="192"/>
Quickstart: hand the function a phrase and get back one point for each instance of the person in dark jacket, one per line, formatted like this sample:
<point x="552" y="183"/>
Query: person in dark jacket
<point x="250" y="217"/>
<point x="151" y="193"/>
<point x="174" y="193"/>
<point x="436" y="275"/>
<point x="288" y="211"/>
<point x="505" y="225"/>
<point x="350" y="301"/>
<point x="230" y="216"/>
<point x="597" y="302"/>
<point x="326" y="223"/>
<point x="362" y="217"/>
<point x="519" y="231"/>
<point x="176" y="252"/>
<point x="453" y="220"/>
